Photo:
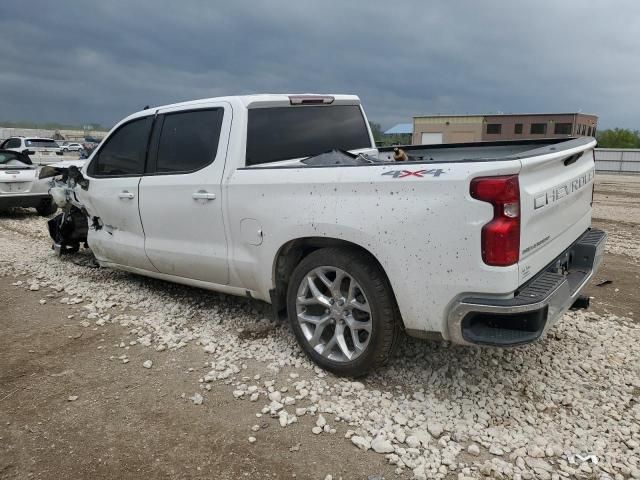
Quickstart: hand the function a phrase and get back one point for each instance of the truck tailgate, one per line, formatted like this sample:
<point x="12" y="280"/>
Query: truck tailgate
<point x="556" y="185"/>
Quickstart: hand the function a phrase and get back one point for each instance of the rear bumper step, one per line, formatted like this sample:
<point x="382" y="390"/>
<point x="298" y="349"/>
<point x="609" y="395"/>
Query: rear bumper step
<point x="536" y="306"/>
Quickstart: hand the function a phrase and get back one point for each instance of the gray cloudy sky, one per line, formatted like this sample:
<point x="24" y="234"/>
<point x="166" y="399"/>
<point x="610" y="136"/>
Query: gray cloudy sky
<point x="82" y="61"/>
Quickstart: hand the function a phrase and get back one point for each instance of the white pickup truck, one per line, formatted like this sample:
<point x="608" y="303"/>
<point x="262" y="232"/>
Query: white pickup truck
<point x="284" y="198"/>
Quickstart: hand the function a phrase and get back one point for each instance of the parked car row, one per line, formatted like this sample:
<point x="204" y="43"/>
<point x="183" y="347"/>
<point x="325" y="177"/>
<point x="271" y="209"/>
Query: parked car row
<point x="40" y="149"/>
<point x="20" y="185"/>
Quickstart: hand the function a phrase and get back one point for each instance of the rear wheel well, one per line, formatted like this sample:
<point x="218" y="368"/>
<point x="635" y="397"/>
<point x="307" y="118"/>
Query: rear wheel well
<point x="292" y="253"/>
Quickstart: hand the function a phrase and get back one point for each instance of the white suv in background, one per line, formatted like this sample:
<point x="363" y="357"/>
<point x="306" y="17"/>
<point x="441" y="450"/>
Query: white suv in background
<point x="36" y="147"/>
<point x="71" y="147"/>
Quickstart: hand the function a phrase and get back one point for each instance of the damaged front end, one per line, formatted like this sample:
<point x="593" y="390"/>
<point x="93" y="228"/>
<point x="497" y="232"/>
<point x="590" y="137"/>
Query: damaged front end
<point x="68" y="229"/>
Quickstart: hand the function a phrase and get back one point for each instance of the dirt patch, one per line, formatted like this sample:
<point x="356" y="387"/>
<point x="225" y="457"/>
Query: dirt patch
<point x="620" y="297"/>
<point x="133" y="422"/>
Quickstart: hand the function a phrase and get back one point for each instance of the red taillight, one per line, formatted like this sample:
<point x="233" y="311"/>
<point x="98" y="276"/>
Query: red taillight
<point x="501" y="236"/>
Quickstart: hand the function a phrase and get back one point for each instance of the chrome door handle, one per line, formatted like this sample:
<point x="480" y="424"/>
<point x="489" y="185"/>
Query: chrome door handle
<point x="125" y="194"/>
<point x="202" y="195"/>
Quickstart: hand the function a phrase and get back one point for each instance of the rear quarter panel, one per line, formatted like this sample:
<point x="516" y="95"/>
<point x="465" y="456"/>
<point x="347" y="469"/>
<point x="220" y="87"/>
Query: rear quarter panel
<point x="422" y="226"/>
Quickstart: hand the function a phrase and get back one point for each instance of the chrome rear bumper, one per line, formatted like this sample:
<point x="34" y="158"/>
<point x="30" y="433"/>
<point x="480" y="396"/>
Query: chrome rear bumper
<point x="536" y="306"/>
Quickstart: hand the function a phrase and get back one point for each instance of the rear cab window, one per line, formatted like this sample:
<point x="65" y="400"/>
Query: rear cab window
<point x="40" y="143"/>
<point x="285" y="133"/>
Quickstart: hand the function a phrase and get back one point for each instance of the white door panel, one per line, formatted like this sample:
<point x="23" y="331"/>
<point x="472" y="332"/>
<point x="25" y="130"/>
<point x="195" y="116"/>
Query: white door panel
<point x="182" y="214"/>
<point x="120" y="239"/>
<point x="184" y="235"/>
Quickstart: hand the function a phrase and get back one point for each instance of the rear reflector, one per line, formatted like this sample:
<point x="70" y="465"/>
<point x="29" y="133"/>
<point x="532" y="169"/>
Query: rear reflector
<point x="311" y="99"/>
<point x="501" y="236"/>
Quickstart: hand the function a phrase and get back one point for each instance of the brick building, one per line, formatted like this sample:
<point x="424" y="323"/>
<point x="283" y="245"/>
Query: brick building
<point x="431" y="129"/>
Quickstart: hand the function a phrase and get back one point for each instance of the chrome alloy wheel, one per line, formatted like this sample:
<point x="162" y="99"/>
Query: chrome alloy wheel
<point x="334" y="314"/>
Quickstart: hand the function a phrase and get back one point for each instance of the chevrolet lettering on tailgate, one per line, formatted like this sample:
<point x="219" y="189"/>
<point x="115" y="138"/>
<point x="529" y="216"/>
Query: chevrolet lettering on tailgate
<point x="556" y="193"/>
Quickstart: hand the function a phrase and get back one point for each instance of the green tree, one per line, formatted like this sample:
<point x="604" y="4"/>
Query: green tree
<point x="618" y="138"/>
<point x="376" y="130"/>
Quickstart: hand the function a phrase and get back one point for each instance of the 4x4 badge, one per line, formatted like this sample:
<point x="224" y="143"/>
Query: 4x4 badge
<point x="436" y="172"/>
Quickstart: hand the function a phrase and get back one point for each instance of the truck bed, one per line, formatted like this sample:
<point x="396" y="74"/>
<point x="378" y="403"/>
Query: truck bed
<point x="479" y="151"/>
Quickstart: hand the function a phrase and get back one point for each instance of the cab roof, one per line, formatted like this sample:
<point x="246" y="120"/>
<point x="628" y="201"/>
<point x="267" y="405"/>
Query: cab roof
<point x="267" y="99"/>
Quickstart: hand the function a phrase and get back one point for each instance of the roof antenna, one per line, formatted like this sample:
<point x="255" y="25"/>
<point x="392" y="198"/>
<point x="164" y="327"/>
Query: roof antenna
<point x="146" y="107"/>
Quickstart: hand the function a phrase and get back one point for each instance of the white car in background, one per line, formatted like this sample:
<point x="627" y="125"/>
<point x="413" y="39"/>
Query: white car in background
<point x="71" y="147"/>
<point x="20" y="185"/>
<point x="40" y="150"/>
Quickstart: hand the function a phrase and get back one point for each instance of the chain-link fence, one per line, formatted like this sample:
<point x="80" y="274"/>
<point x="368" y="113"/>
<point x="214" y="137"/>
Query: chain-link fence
<point x="617" y="160"/>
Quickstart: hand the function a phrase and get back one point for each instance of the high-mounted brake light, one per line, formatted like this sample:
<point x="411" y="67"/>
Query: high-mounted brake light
<point x="501" y="236"/>
<point x="311" y="99"/>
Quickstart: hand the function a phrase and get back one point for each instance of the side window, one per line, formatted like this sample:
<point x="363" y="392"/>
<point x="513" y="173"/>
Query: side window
<point x="125" y="151"/>
<point x="13" y="143"/>
<point x="188" y="140"/>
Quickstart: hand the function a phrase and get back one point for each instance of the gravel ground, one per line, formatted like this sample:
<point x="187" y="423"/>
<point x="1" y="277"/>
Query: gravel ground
<point x="565" y="407"/>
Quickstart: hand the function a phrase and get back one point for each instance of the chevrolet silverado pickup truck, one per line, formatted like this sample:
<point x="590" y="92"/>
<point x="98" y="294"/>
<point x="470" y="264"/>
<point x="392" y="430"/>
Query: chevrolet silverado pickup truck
<point x="286" y="199"/>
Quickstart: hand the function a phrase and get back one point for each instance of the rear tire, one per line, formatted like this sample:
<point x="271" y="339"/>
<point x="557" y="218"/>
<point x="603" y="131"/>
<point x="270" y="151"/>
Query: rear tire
<point x="46" y="208"/>
<point x="342" y="311"/>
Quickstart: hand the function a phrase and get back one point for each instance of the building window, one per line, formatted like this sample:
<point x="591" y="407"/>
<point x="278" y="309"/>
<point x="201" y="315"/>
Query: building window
<point x="563" y="129"/>
<point x="538" y="128"/>
<point x="494" y="128"/>
<point x="517" y="129"/>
